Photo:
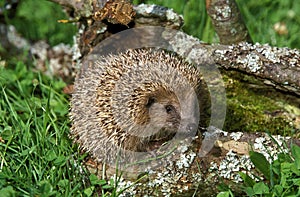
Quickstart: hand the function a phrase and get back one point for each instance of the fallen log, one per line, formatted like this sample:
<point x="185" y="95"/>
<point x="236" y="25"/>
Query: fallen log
<point x="199" y="169"/>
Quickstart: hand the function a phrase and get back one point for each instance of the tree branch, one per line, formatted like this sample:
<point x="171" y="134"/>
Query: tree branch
<point x="227" y="21"/>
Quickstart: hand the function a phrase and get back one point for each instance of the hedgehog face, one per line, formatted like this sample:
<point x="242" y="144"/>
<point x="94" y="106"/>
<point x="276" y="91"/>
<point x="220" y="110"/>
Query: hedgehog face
<point x="165" y="119"/>
<point x="159" y="116"/>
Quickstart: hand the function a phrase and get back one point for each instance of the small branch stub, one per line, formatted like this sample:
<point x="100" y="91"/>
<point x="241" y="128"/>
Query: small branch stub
<point x="227" y="21"/>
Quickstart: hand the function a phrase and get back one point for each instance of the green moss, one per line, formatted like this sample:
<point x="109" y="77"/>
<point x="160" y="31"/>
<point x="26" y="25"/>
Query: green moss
<point x="254" y="107"/>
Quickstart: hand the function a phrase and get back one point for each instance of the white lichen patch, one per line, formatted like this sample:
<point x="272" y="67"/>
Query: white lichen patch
<point x="223" y="52"/>
<point x="234" y="162"/>
<point x="183" y="148"/>
<point x="245" y="46"/>
<point x="231" y="165"/>
<point x="159" y="12"/>
<point x="172" y="177"/>
<point x="171" y="15"/>
<point x="236" y="135"/>
<point x="251" y="61"/>
<point x="185" y="160"/>
<point x="214" y="131"/>
<point x="174" y="17"/>
<point x="169" y="180"/>
<point x="16" y="39"/>
<point x="269" y="148"/>
<point x="129" y="186"/>
<point x="222" y="12"/>
<point x="146" y="9"/>
<point x="76" y="54"/>
<point x="270" y="55"/>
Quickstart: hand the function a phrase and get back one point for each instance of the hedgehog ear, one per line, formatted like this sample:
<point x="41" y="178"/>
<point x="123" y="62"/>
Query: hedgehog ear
<point x="150" y="102"/>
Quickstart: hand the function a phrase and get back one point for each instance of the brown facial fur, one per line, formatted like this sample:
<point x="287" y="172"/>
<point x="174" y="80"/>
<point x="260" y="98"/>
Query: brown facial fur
<point x="157" y="107"/>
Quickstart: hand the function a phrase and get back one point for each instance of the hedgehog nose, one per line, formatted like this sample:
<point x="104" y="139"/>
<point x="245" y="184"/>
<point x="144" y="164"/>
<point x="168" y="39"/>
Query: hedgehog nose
<point x="191" y="127"/>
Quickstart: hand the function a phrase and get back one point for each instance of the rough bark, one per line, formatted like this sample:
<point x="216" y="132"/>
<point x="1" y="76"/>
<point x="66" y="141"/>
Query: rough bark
<point x="279" y="67"/>
<point x="189" y="172"/>
<point x="227" y="21"/>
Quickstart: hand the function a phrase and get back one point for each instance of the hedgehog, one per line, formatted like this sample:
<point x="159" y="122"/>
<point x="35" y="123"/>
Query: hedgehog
<point x="136" y="101"/>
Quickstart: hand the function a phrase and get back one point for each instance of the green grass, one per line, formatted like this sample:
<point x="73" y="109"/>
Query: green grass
<point x="261" y="16"/>
<point x="36" y="156"/>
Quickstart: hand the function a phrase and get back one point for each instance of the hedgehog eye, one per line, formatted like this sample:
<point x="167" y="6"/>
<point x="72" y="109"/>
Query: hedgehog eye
<point x="169" y="108"/>
<point x="151" y="100"/>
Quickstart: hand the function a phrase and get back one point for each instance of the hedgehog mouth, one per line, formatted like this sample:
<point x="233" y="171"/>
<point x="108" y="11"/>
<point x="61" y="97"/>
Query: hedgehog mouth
<point x="157" y="141"/>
